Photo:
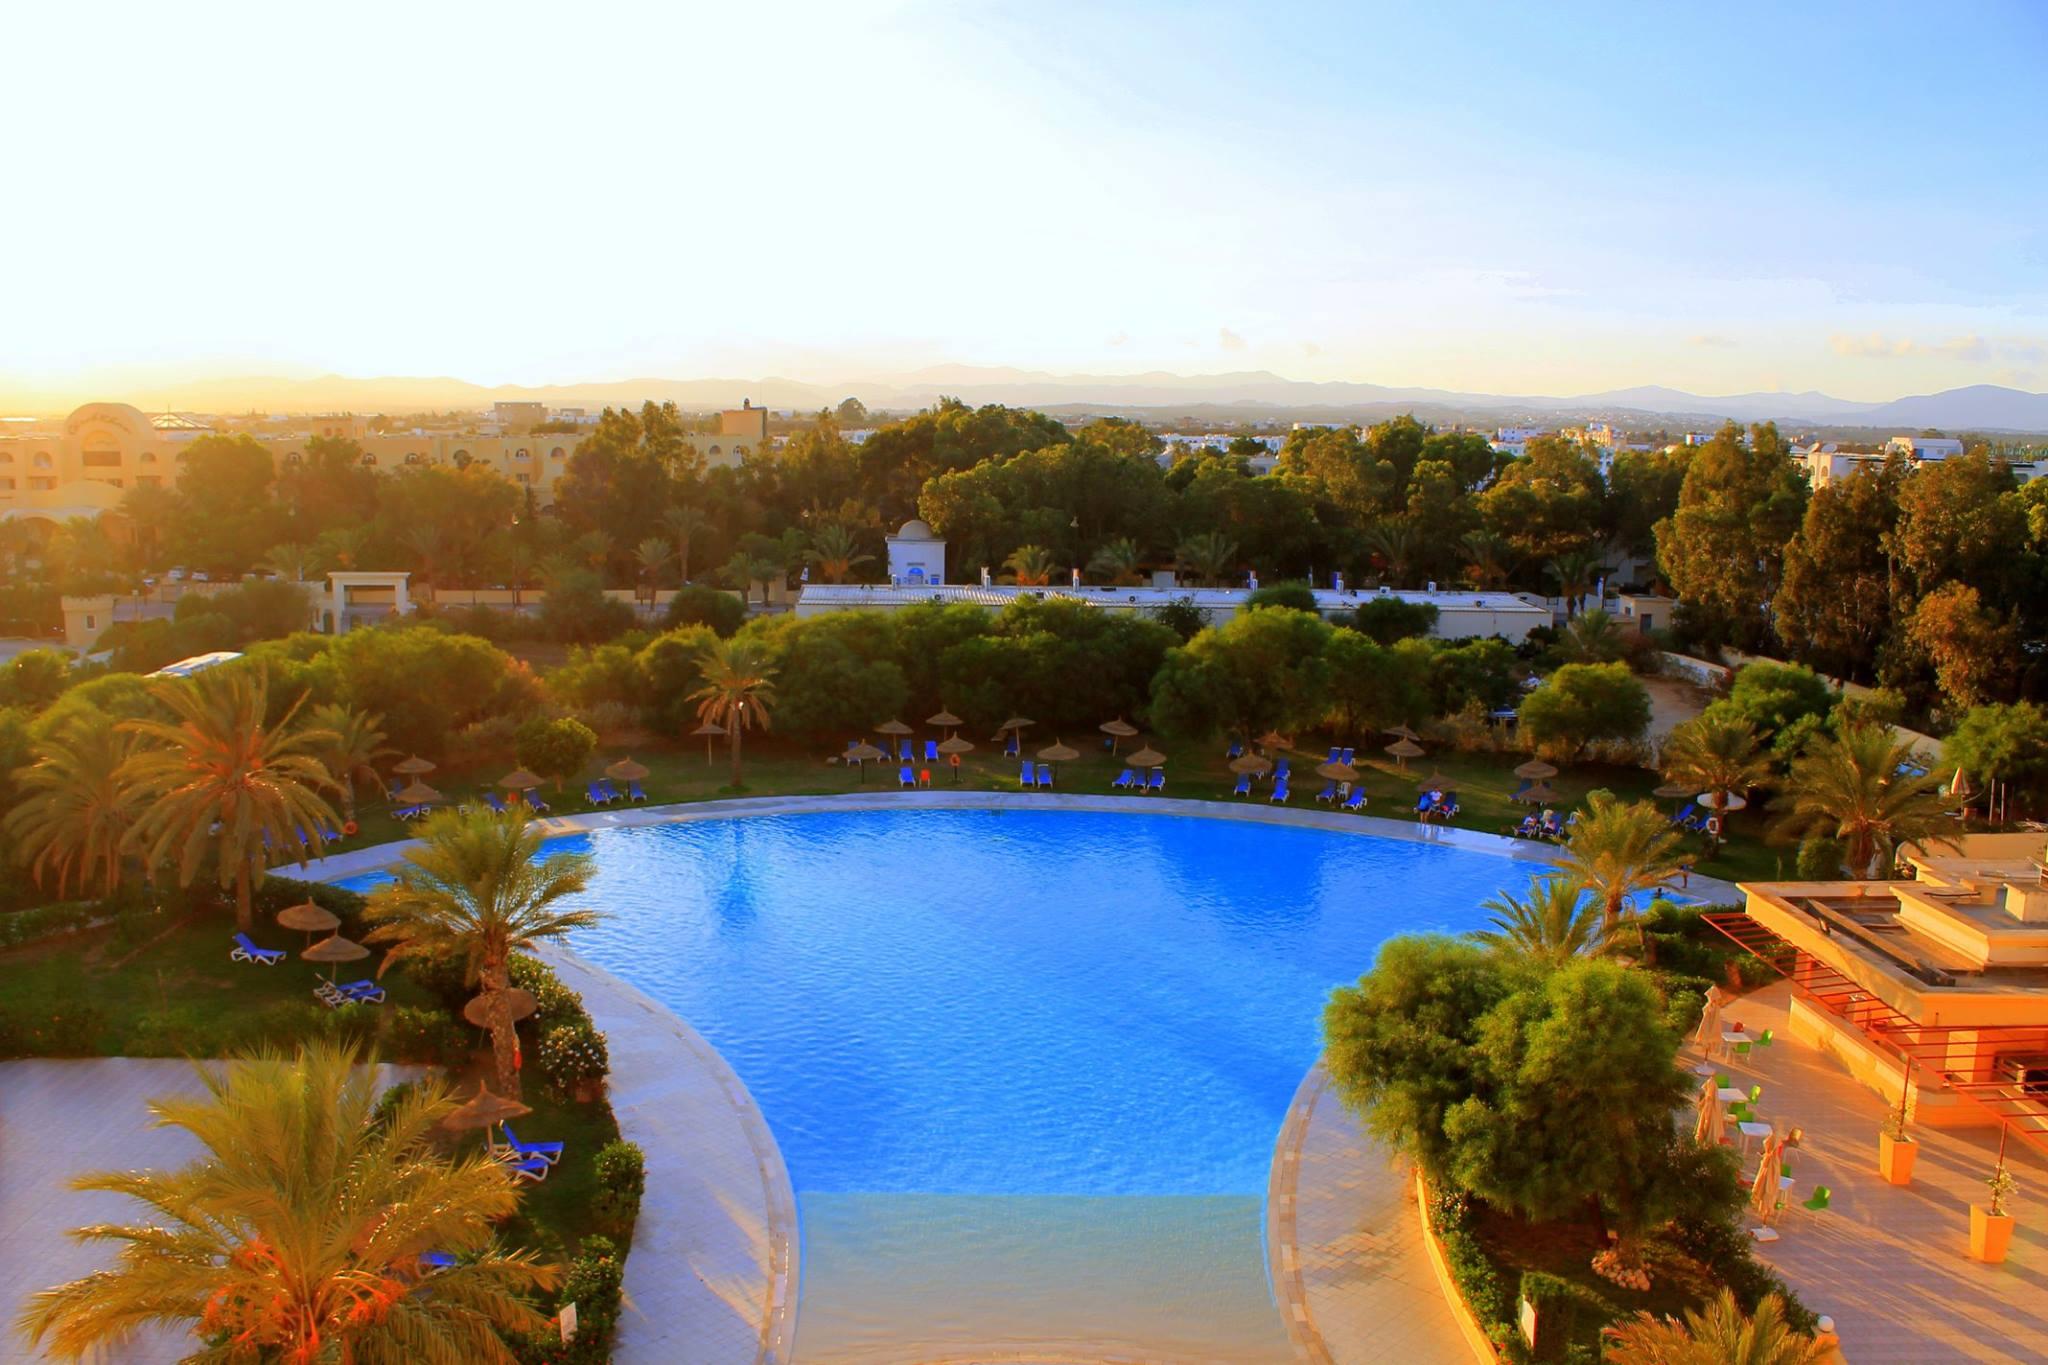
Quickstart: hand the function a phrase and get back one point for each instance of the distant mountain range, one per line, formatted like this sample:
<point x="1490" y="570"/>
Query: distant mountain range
<point x="1160" y="395"/>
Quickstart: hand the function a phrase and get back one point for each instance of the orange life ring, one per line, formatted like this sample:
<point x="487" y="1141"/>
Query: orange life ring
<point x="349" y="827"/>
<point x="1713" y="826"/>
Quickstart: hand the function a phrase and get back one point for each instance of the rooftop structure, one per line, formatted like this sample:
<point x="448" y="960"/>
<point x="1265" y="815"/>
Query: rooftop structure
<point x="198" y="663"/>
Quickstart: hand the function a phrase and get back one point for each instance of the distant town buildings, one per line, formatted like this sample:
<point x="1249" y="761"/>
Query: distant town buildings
<point x="1827" y="461"/>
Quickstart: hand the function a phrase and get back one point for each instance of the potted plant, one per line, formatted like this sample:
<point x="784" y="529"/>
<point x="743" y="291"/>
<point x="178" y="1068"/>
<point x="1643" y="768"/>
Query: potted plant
<point x="574" y="1059"/>
<point x="1896" y="1151"/>
<point x="1991" y="1225"/>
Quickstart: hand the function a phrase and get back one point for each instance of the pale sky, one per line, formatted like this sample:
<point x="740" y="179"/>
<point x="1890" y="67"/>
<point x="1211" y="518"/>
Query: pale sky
<point x="1534" y="199"/>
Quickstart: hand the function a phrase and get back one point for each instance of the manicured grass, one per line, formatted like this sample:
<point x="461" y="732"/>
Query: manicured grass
<point x="556" y="1214"/>
<point x="776" y="767"/>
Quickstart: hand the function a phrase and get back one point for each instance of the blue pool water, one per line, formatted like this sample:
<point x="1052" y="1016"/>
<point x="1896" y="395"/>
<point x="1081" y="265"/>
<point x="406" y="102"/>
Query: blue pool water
<point x="1013" y="1015"/>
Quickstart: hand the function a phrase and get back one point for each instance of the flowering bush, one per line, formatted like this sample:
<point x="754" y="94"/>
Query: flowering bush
<point x="572" y="1053"/>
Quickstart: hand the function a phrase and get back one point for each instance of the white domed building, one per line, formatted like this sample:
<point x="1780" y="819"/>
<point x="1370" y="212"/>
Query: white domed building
<point x="917" y="555"/>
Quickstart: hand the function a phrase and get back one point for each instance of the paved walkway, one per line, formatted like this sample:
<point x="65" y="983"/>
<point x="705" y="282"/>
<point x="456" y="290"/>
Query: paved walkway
<point x="1892" y="1265"/>
<point x="1344" y="1242"/>
<point x="712" y="1274"/>
<point x="63" y="1118"/>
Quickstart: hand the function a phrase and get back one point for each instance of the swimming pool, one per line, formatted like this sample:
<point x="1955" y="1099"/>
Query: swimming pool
<point x="1026" y="1068"/>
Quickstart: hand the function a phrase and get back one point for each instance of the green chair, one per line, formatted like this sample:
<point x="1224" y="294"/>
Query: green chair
<point x="1723" y="1083"/>
<point x="1741" y="1050"/>
<point x="1756" y="1092"/>
<point x="1764" y="1038"/>
<point x="1819" y="1202"/>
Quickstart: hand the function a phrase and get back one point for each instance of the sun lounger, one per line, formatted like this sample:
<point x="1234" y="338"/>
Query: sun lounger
<point x="366" y="989"/>
<point x="1328" y="793"/>
<point x="905" y="778"/>
<point x="529" y="1168"/>
<point x="593" y="795"/>
<point x="1158" y="782"/>
<point x="1280" y="771"/>
<point x="1027" y="775"/>
<point x="1356" y="801"/>
<point x="931" y="751"/>
<point x="1334" y="751"/>
<point x="1685" y="814"/>
<point x="247" y="951"/>
<point x="1235" y="750"/>
<point x="1349" y="756"/>
<point x="1124" y="779"/>
<point x="431" y="1261"/>
<point x="540" y="807"/>
<point x="607" y="790"/>
<point x="633" y="791"/>
<point x="1045" y="774"/>
<point x="550" y="1152"/>
<point x="1012" y="749"/>
<point x="1279" y="795"/>
<point x="495" y="802"/>
<point x="905" y="752"/>
<point x="1244" y="785"/>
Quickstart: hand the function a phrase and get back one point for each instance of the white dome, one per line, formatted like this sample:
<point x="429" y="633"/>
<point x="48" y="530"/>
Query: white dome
<point x="916" y="529"/>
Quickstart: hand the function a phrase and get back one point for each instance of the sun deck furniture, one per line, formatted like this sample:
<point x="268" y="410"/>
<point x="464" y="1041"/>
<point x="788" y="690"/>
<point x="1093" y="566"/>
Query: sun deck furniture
<point x="1328" y="793"/>
<point x="431" y="1261"/>
<point x="611" y="793"/>
<point x="594" y="795"/>
<point x="550" y="1152"/>
<point x="1012" y="748"/>
<point x="495" y="802"/>
<point x="1045" y="774"/>
<point x="1356" y="801"/>
<point x="1348" y="757"/>
<point x="1126" y="778"/>
<point x="1280" y="771"/>
<point x="1279" y="795"/>
<point x="904" y="777"/>
<point x="1244" y="785"/>
<point x="633" y="791"/>
<point x="1819" y="1202"/>
<point x="1158" y="782"/>
<point x="1334" y="751"/>
<point x="904" y="751"/>
<point x="1235" y="750"/>
<point x="529" y="1168"/>
<point x="354" y="993"/>
<point x="533" y="800"/>
<point x="931" y="751"/>
<point x="1684" y="813"/>
<point x="247" y="951"/>
<point x="1027" y="775"/>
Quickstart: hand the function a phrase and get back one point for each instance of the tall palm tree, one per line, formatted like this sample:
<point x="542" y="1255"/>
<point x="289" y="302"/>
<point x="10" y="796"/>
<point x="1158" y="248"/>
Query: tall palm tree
<point x="738" y="690"/>
<point x="1592" y="637"/>
<point x="1554" y="925"/>
<point x="1392" y="544"/>
<point x="1030" y="565"/>
<point x="682" y="522"/>
<point x="1575" y="573"/>
<point x="649" y="555"/>
<point x="517" y="560"/>
<point x="1208" y="556"/>
<point x="72" y="814"/>
<point x="1717" y="1335"/>
<point x="836" y="552"/>
<point x="472" y="889"/>
<point x="1488" y="559"/>
<point x="291" y="560"/>
<point x="1116" y="560"/>
<point x="1852" y="787"/>
<point x="354" y="750"/>
<point x="428" y="547"/>
<point x="596" y="549"/>
<point x="1715" y="753"/>
<point x="1617" y="848"/>
<point x="219" y="778"/>
<point x="297" y="1236"/>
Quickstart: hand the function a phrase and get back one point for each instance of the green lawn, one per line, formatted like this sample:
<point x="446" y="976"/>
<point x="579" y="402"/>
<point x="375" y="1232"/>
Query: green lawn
<point x="775" y="767"/>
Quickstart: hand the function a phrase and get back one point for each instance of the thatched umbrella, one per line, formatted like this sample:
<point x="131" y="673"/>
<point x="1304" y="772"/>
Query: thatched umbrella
<point x="1057" y="752"/>
<point x="626" y="770"/>
<point x="860" y="755"/>
<point x="1337" y="772"/>
<point x="711" y="729"/>
<point x="413" y="767"/>
<point x="1672" y="790"/>
<point x="1401" y="732"/>
<point x="945" y="720"/>
<point x="1251" y="764"/>
<point x="892" y="727"/>
<point x="418" y="794"/>
<point x="1016" y="723"/>
<point x="1273" y="739"/>
<point x="1436" y="781"/>
<point x="1405" y="749"/>
<point x="1147" y="757"/>
<point x="1538" y="795"/>
<point x="1118" y="730"/>
<point x="1535" y="768"/>
<point x="953" y="748"/>
<point x="335" y="949"/>
<point x="518" y="1004"/>
<point x="308" y="917"/>
<point x="482" y="1111"/>
<point x="519" y="780"/>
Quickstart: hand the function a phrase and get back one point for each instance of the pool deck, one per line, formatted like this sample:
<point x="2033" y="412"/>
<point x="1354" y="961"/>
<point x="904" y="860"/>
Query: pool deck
<point x="1344" y="1243"/>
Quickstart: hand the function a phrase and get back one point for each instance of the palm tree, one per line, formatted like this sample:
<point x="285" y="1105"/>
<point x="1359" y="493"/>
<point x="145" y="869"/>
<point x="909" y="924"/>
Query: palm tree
<point x="837" y="553"/>
<point x="1592" y="637"/>
<point x="1116" y="560"/>
<point x="596" y="549"/>
<point x="297" y="1235"/>
<point x="1715" y="753"/>
<point x="739" y="688"/>
<point x="72" y="813"/>
<point x="1853" y="788"/>
<point x="1617" y="848"/>
<point x="1030" y="565"/>
<point x="428" y="546"/>
<point x="354" y="750"/>
<point x="744" y="570"/>
<point x="1208" y="556"/>
<point x="473" y="889"/>
<point x="1488" y="559"/>
<point x="650" y="554"/>
<point x="291" y="560"/>
<point x="219" y="777"/>
<point x="1392" y="544"/>
<point x="1575" y="572"/>
<point x="517" y="559"/>
<point x="1719" y="1335"/>
<point x="683" y="522"/>
<point x="1554" y="925"/>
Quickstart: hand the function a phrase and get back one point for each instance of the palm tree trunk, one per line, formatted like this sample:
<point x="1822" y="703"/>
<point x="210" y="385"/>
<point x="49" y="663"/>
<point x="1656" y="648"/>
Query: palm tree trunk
<point x="736" y="755"/>
<point x="245" y="908"/>
<point x="504" y="1038"/>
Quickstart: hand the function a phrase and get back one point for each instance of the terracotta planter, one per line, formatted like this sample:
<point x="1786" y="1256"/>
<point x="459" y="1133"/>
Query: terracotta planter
<point x="1990" y="1234"/>
<point x="1895" y="1158"/>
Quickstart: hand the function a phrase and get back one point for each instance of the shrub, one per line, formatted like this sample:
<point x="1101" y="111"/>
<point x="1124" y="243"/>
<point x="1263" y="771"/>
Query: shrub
<point x="347" y="906"/>
<point x="491" y="737"/>
<point x="1821" y="858"/>
<point x="621" y="1180"/>
<point x="1565" y="1312"/>
<point x="700" y="606"/>
<point x="1387" y="619"/>
<point x="595" y="1284"/>
<point x="571" y="1054"/>
<point x="557" y="1004"/>
<point x="1721" y="1245"/>
<point x="388" y="1102"/>
<point x="41" y="921"/>
<point x="67" y="1031"/>
<point x="556" y="748"/>
<point x="427" y="1036"/>
<point x="1485" y="1293"/>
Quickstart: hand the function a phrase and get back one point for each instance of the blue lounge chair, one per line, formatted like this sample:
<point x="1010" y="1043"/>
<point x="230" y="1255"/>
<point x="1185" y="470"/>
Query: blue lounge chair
<point x="1027" y="775"/>
<point x="247" y="951"/>
<point x="1334" y="751"/>
<point x="905" y="752"/>
<point x="633" y="790"/>
<point x="431" y="1261"/>
<point x="1328" y="793"/>
<point x="1124" y="779"/>
<point x="1235" y="750"/>
<point x="931" y="751"/>
<point x="1012" y="749"/>
<point x="1685" y="814"/>
<point x="608" y="791"/>
<point x="1279" y="795"/>
<point x="1280" y="771"/>
<point x="1244" y="785"/>
<point x="1349" y="756"/>
<point x="353" y="993"/>
<point x="904" y="777"/>
<point x="1448" y="810"/>
<point x="1526" y="784"/>
<point x="550" y="1152"/>
<point x="1158" y="782"/>
<point x="540" y="807"/>
<point x="594" y="796"/>
<point x="495" y="802"/>
<point x="529" y="1168"/>
<point x="1356" y="801"/>
<point x="1045" y="774"/>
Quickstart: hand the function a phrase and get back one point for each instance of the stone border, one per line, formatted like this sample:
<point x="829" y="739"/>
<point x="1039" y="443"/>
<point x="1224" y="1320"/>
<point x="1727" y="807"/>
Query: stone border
<point x="1283" y="1254"/>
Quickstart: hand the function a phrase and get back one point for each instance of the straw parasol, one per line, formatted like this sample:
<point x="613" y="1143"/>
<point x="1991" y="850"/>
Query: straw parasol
<point x="1707" y="1127"/>
<point x="1401" y="732"/>
<point x="892" y="727"/>
<point x="1672" y="790"/>
<point x="1016" y="723"/>
<point x="333" y="950"/>
<point x="711" y="728"/>
<point x="1538" y="795"/>
<point x="1337" y="772"/>
<point x="952" y="748"/>
<point x="1405" y="749"/>
<point x="482" y="1110"/>
<point x="519" y="780"/>
<point x="1252" y="764"/>
<point x="860" y="755"/>
<point x="1118" y="730"/>
<point x="1147" y="757"/>
<point x="626" y="770"/>
<point x="308" y="917"/>
<point x="518" y="1005"/>
<point x="1535" y="768"/>
<point x="945" y="720"/>
<point x="418" y="794"/>
<point x="1273" y="739"/>
<point x="1436" y="781"/>
<point x="1056" y="752"/>
<point x="413" y="767"/>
